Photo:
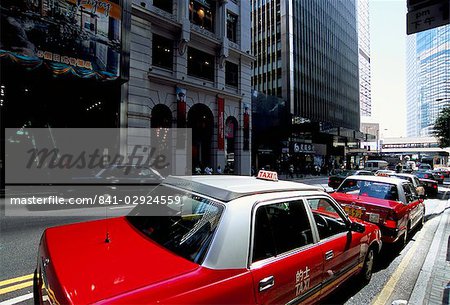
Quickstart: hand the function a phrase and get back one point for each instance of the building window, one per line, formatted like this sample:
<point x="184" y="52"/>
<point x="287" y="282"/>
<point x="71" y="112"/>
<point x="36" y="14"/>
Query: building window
<point x="279" y="92"/>
<point x="202" y="13"/>
<point x="165" y="5"/>
<point x="162" y="52"/>
<point x="232" y="27"/>
<point x="200" y="64"/>
<point x="231" y="74"/>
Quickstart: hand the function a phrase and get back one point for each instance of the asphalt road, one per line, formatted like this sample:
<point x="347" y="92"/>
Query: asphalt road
<point x="20" y="236"/>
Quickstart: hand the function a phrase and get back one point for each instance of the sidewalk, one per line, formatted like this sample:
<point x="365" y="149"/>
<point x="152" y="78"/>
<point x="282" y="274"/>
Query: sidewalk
<point x="433" y="283"/>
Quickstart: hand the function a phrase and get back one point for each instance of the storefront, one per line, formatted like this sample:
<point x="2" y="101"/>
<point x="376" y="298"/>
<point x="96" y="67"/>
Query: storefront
<point x="63" y="63"/>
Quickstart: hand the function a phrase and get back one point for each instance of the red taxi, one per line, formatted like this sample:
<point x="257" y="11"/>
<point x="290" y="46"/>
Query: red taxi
<point x="224" y="240"/>
<point x="391" y="203"/>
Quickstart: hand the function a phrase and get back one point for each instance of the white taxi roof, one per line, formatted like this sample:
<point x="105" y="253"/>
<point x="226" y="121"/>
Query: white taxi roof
<point x="228" y="187"/>
<point x="403" y="175"/>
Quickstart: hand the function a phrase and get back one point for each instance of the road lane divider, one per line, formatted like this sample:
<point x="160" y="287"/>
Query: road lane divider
<point x="16" y="283"/>
<point x="16" y="287"/>
<point x="17" y="299"/>
<point x="16" y="279"/>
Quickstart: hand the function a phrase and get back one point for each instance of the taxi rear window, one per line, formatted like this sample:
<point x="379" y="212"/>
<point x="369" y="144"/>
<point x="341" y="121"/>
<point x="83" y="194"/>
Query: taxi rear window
<point x="279" y="228"/>
<point x="369" y="188"/>
<point x="189" y="232"/>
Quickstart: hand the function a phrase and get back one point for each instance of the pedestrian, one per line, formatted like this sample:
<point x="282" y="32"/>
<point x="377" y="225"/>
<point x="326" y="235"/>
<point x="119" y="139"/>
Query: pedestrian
<point x="291" y="171"/>
<point x="208" y="170"/>
<point x="398" y="168"/>
<point x="317" y="169"/>
<point x="219" y="169"/>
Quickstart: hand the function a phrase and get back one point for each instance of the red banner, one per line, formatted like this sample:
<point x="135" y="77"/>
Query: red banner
<point x="220" y="125"/>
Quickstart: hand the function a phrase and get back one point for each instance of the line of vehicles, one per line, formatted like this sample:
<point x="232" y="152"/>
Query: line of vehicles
<point x="422" y="177"/>
<point x="230" y="240"/>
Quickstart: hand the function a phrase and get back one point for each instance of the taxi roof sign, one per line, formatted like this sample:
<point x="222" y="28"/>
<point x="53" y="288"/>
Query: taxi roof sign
<point x="267" y="175"/>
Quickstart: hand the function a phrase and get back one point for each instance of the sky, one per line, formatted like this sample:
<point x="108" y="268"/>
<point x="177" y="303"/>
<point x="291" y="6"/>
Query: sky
<point x="388" y="66"/>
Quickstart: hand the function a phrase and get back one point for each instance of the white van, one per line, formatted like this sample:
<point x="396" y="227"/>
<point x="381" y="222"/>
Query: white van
<point x="374" y="165"/>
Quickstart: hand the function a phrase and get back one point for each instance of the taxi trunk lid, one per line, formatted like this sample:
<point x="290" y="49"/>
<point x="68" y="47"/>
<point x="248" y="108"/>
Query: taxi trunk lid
<point x="371" y="209"/>
<point x="88" y="268"/>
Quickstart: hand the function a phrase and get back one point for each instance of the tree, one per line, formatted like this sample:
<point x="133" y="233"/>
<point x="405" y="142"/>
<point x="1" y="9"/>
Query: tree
<point x="442" y="128"/>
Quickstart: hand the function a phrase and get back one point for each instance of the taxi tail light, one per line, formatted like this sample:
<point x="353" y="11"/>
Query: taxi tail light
<point x="391" y="220"/>
<point x="390" y="224"/>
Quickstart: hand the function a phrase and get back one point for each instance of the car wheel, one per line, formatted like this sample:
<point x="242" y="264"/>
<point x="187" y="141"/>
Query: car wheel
<point x="403" y="240"/>
<point x="366" y="272"/>
<point x="36" y="295"/>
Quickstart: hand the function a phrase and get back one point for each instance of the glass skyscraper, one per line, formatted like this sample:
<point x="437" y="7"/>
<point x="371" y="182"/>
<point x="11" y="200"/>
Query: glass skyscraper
<point x="307" y="54"/>
<point x="428" y="79"/>
<point x="365" y="91"/>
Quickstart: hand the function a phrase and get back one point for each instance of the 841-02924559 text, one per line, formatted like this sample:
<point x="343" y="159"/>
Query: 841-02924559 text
<point x="97" y="199"/>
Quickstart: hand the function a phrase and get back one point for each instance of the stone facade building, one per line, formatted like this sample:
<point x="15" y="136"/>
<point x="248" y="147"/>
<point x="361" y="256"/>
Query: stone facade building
<point x="190" y="66"/>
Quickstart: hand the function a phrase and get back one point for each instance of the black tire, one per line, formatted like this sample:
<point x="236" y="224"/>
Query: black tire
<point x="402" y="241"/>
<point x="35" y="289"/>
<point x="366" y="273"/>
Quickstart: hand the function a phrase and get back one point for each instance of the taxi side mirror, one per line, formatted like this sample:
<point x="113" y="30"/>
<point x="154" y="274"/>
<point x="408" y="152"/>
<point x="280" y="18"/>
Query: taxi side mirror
<point x="357" y="227"/>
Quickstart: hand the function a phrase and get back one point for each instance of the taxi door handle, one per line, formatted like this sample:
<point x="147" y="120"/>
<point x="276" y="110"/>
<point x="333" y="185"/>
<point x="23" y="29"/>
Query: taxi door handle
<point x="266" y="283"/>
<point x="329" y="255"/>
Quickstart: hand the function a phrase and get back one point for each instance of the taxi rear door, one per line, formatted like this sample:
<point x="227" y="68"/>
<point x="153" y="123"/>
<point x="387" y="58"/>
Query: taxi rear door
<point x="414" y="206"/>
<point x="286" y="263"/>
<point x="341" y="250"/>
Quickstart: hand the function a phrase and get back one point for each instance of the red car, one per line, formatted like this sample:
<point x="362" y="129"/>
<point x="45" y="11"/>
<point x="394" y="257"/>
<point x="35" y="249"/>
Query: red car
<point x="234" y="240"/>
<point x="391" y="203"/>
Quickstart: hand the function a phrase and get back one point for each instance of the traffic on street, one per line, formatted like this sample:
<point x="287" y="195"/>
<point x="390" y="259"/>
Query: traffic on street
<point x="224" y="152"/>
<point x="391" y="263"/>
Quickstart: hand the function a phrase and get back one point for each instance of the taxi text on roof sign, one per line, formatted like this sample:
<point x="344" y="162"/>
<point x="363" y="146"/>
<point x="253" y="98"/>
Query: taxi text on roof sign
<point x="267" y="175"/>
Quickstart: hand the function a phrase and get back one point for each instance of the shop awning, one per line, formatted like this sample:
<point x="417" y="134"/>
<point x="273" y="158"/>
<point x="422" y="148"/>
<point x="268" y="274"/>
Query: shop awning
<point x="58" y="69"/>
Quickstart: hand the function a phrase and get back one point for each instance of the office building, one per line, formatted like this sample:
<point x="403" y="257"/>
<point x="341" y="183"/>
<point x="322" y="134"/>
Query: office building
<point x="307" y="54"/>
<point x="365" y="91"/>
<point x="428" y="79"/>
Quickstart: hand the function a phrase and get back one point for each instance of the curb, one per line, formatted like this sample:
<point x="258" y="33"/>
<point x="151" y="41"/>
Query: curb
<point x="420" y="290"/>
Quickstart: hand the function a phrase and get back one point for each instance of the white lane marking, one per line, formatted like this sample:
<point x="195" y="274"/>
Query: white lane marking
<point x="120" y="208"/>
<point x="17" y="299"/>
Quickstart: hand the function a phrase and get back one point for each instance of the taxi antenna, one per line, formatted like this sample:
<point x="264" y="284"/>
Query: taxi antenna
<point x="107" y="239"/>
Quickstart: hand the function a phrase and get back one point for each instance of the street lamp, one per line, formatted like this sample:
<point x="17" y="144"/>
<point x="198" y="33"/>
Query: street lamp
<point x="380" y="141"/>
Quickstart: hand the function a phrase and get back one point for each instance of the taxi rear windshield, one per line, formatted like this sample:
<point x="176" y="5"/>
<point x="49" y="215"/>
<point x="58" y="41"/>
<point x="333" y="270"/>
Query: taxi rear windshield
<point x="369" y="188"/>
<point x="189" y="232"/>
